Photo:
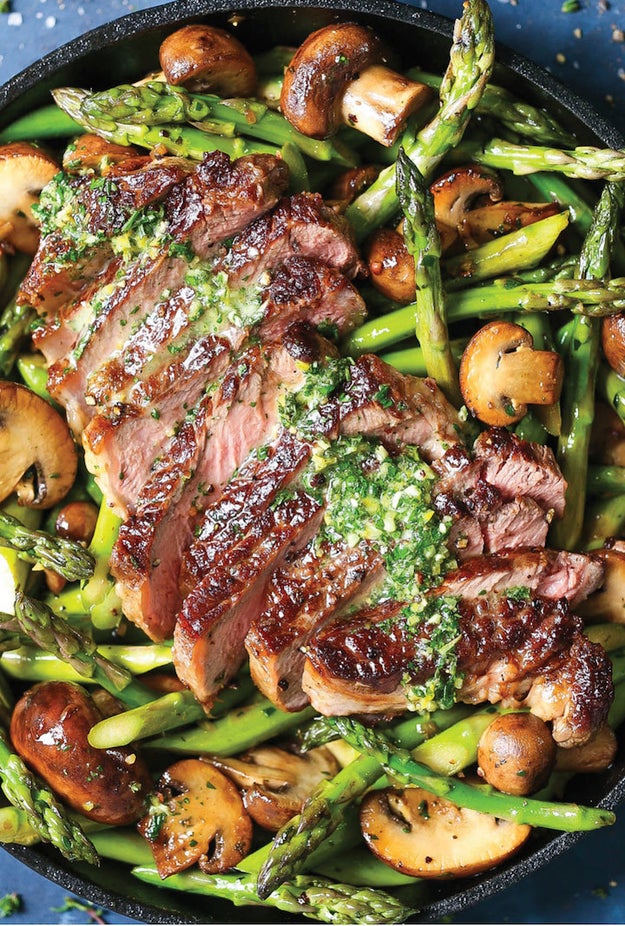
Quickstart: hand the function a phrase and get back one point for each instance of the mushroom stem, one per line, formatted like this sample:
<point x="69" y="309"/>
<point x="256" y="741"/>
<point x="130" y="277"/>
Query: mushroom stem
<point x="379" y="102"/>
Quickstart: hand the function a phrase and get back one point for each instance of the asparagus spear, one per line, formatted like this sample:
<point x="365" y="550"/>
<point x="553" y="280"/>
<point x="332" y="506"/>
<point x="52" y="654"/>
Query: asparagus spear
<point x="604" y="519"/>
<point x="411" y="359"/>
<point x="324" y="809"/>
<point x="46" y="122"/>
<point x="53" y="634"/>
<point x="581" y="163"/>
<point x="470" y="66"/>
<point x="98" y="596"/>
<point x="610" y="387"/>
<point x="423" y="243"/>
<point x="606" y="480"/>
<point x="46" y="816"/>
<point x="581" y="297"/>
<point x="66" y="557"/>
<point x="184" y="141"/>
<point x="14" y="326"/>
<point x="516" y="115"/>
<point x="28" y="663"/>
<point x="581" y="363"/>
<point x="157" y="103"/>
<point x="400" y="764"/>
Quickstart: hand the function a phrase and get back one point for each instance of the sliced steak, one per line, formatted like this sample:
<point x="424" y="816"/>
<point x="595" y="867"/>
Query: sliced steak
<point x="551" y="574"/>
<point x="306" y="288"/>
<point x="222" y="197"/>
<point x="302" y="597"/>
<point x="300" y="225"/>
<point x="216" y="616"/>
<point x="505" y="647"/>
<point x="498" y="525"/>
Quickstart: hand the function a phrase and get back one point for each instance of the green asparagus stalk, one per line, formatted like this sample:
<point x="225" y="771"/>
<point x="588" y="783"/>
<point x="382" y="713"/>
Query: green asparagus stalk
<point x="581" y="364"/>
<point x="470" y="66"/>
<point x="182" y="140"/>
<point x="516" y="115"/>
<point x="157" y="103"/>
<point x="53" y="634"/>
<point x="611" y="388"/>
<point x="14" y="327"/>
<point x="99" y="598"/>
<point x="34" y="665"/>
<point x="307" y="895"/>
<point x="423" y="243"/>
<point x="605" y="480"/>
<point x="604" y="519"/>
<point x="239" y="730"/>
<point x="46" y="816"/>
<point x="400" y="764"/>
<point x="67" y="558"/>
<point x="581" y="163"/>
<point x="325" y="808"/>
<point x="176" y="709"/>
<point x="411" y="359"/>
<point x="581" y="297"/>
<point x="44" y="123"/>
<point x="361" y="868"/>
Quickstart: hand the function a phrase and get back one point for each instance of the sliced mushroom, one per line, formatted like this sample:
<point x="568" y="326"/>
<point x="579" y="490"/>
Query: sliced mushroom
<point x="607" y="603"/>
<point x="339" y="76"/>
<point x="348" y="185"/>
<point x="501" y="374"/>
<point x="456" y="192"/>
<point x="594" y="756"/>
<point x="75" y="521"/>
<point x="516" y="753"/>
<point x="201" y="819"/>
<point x="429" y="837"/>
<point x="487" y="222"/>
<point x="91" y="152"/>
<point x="613" y="340"/>
<point x="206" y="58"/>
<point x="275" y="783"/>
<point x="607" y="439"/>
<point x="38" y="458"/>
<point x="391" y="267"/>
<point x="24" y="171"/>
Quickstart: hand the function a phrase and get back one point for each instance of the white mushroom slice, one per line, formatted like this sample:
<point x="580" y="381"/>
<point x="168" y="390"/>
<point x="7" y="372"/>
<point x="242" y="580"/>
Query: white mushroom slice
<point x="501" y="374"/>
<point x="24" y="171"/>
<point x="608" y="603"/>
<point x="38" y="458"/>
<point x="429" y="837"/>
<point x="202" y="820"/>
<point x="275" y="783"/>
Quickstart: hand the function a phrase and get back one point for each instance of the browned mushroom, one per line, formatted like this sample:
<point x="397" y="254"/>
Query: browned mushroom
<point x="348" y="185"/>
<point x="91" y="152"/>
<point x="613" y="340"/>
<point x="391" y="267"/>
<point x="429" y="837"/>
<point x="201" y="819"/>
<point x="339" y="76"/>
<point x="594" y="756"/>
<point x="275" y="783"/>
<point x="38" y="458"/>
<point x="24" y="171"/>
<point x="607" y="439"/>
<point x="456" y="192"/>
<point x="206" y="58"/>
<point x="484" y="223"/>
<point x="607" y="604"/>
<point x="501" y="373"/>
<point x="516" y="753"/>
<point x="49" y="729"/>
<point x="75" y="521"/>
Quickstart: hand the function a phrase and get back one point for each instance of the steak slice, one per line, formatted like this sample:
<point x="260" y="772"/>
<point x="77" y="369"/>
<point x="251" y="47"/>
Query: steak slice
<point x="300" y="225"/>
<point x="222" y="197"/>
<point x="505" y="647"/>
<point x="302" y="597"/>
<point x="550" y="574"/>
<point x="305" y="288"/>
<point x="215" y="617"/>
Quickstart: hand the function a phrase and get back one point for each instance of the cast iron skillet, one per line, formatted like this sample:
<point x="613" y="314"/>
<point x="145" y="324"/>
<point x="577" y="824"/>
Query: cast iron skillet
<point x="125" y="49"/>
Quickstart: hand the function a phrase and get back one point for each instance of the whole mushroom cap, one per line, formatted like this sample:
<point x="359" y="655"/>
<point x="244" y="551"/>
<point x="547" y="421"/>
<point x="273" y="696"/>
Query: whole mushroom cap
<point x="206" y="58"/>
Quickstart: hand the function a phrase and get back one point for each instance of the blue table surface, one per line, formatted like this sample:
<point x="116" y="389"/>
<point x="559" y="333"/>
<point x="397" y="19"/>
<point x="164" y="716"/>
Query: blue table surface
<point x="584" y="49"/>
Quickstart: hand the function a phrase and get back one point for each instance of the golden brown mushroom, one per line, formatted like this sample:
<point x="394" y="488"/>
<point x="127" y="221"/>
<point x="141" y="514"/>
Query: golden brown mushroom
<point x="391" y="267"/>
<point x="75" y="521"/>
<point x="501" y="374"/>
<point x="516" y="753"/>
<point x="607" y="604"/>
<point x="91" y="152"/>
<point x="38" y="458"/>
<point x="275" y="783"/>
<point x="204" y="820"/>
<point x="429" y="837"/>
<point x="613" y="340"/>
<point x="594" y="756"/>
<point x="484" y="223"/>
<point x="339" y="76"/>
<point x="607" y="439"/>
<point x="204" y="58"/>
<point x="455" y="193"/>
<point x="24" y="171"/>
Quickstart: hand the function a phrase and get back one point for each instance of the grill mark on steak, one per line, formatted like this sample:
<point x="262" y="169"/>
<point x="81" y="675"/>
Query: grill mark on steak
<point x="222" y="197"/>
<point x="505" y="648"/>
<point x="300" y="226"/>
<point x="215" y="618"/>
<point x="301" y="598"/>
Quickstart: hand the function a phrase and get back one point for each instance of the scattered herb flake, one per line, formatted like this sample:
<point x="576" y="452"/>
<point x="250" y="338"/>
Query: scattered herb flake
<point x="10" y="903"/>
<point x="95" y="914"/>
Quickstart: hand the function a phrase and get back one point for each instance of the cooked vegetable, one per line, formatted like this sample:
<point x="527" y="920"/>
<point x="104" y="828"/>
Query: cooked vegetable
<point x="204" y="57"/>
<point x="516" y="753"/>
<point x="49" y="729"/>
<point x="24" y="171"/>
<point x="38" y="457"/>
<point x="199" y="819"/>
<point x="455" y="193"/>
<point x="613" y="342"/>
<point x="608" y="603"/>
<point x="594" y="756"/>
<point x="501" y="374"/>
<point x="429" y="837"/>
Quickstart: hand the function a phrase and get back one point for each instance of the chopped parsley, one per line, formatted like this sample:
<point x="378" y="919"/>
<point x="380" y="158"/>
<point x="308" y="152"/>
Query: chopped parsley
<point x="10" y="904"/>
